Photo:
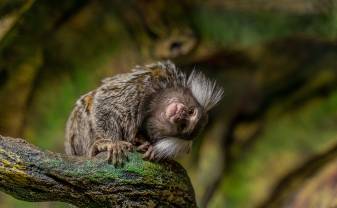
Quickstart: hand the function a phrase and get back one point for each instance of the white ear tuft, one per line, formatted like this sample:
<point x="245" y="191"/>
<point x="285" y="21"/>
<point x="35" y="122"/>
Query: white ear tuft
<point x="205" y="91"/>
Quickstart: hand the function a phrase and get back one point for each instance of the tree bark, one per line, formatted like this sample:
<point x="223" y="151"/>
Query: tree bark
<point x="29" y="174"/>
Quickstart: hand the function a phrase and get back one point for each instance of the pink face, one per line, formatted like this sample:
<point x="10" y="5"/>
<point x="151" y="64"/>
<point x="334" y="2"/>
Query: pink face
<point x="176" y="112"/>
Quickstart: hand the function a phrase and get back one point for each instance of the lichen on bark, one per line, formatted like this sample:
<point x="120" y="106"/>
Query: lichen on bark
<point x="30" y="174"/>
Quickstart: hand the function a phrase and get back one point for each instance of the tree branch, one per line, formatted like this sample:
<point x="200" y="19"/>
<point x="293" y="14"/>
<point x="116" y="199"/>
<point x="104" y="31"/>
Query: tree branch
<point x="30" y="174"/>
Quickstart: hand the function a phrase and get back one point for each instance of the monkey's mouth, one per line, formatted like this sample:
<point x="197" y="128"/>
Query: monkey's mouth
<point x="175" y="111"/>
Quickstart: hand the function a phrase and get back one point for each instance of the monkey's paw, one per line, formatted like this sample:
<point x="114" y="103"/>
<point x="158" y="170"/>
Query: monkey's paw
<point x="117" y="150"/>
<point x="149" y="153"/>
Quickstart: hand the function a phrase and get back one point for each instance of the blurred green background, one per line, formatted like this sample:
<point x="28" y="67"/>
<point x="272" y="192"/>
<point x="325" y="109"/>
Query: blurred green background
<point x="272" y="142"/>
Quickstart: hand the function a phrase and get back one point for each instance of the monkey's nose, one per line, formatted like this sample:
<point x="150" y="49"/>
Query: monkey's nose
<point x="181" y="116"/>
<point x="181" y="112"/>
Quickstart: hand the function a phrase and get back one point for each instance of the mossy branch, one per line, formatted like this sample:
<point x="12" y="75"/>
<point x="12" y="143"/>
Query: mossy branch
<point x="30" y="174"/>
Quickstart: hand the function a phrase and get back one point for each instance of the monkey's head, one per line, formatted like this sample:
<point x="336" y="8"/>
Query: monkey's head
<point x="174" y="112"/>
<point x="178" y="114"/>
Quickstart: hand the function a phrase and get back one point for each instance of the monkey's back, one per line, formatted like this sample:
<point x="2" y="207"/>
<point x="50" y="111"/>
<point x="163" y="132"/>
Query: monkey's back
<point x="79" y="131"/>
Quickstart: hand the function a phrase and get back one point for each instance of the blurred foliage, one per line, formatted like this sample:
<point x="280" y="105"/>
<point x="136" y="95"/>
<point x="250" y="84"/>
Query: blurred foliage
<point x="275" y="59"/>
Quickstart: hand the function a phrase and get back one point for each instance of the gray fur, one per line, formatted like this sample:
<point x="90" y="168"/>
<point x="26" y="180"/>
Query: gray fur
<point x="116" y="110"/>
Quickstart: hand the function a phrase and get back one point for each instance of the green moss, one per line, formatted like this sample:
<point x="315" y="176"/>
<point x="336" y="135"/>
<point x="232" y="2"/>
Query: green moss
<point x="133" y="170"/>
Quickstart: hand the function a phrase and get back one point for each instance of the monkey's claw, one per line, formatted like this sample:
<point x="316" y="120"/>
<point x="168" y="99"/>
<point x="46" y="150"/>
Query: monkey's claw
<point x="117" y="150"/>
<point x="149" y="153"/>
<point x="143" y="147"/>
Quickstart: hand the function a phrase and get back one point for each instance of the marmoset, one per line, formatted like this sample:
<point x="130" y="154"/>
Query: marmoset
<point x="155" y="108"/>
